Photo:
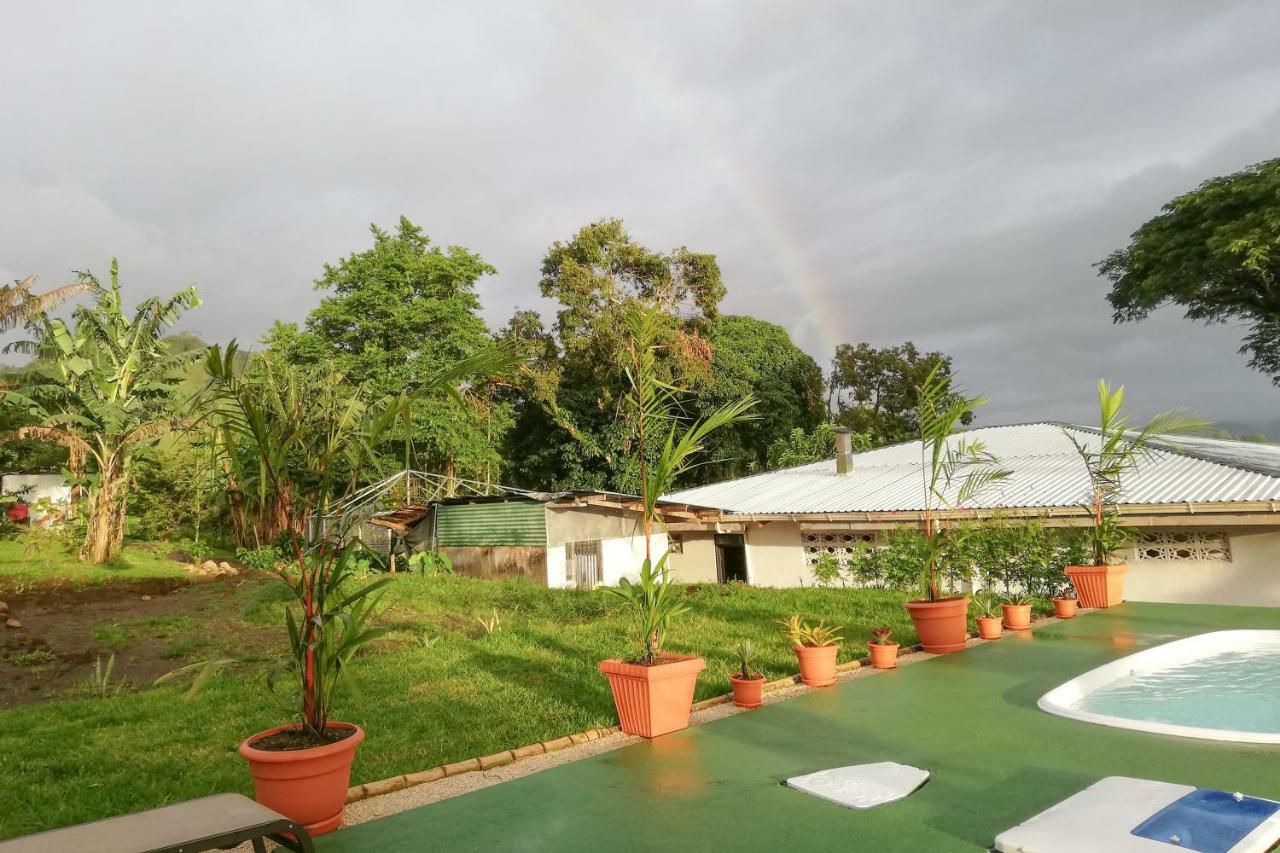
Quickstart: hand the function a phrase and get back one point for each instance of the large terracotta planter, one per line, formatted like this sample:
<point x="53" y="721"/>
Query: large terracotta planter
<point x="1098" y="586"/>
<point x="817" y="664"/>
<point x="305" y="785"/>
<point x="989" y="628"/>
<point x="653" y="700"/>
<point x="748" y="692"/>
<point x="942" y="626"/>
<point x="1017" y="617"/>
<point x="1065" y="608"/>
<point x="884" y="655"/>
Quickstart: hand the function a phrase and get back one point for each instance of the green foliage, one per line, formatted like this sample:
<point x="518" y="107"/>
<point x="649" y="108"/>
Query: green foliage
<point x="800" y="447"/>
<point x="1214" y="251"/>
<point x="1119" y="450"/>
<point x="988" y="604"/>
<point x="826" y="571"/>
<point x="103" y="388"/>
<point x="802" y="633"/>
<point x="746" y="655"/>
<point x="264" y="559"/>
<point x="431" y="563"/>
<point x="196" y="550"/>
<point x="873" y="390"/>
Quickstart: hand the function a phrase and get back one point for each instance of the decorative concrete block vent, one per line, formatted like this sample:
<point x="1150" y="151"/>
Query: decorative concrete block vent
<point x="862" y="786"/>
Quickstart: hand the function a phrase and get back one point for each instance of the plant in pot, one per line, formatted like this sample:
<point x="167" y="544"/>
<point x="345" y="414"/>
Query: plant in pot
<point x="989" y="616"/>
<point x="653" y="690"/>
<point x="816" y="647"/>
<point x="1016" y="609"/>
<point x="1115" y="450"/>
<point x="883" y="649"/>
<point x="955" y="469"/>
<point x="1065" y="603"/>
<point x="302" y="769"/>
<point x="748" y="685"/>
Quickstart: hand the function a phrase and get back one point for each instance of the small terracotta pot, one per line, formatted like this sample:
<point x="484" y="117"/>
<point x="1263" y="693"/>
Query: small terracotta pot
<point x="884" y="655"/>
<point x="653" y="700"/>
<point x="1065" y="608"/>
<point x="989" y="628"/>
<point x="1017" y="617"/>
<point x="1098" y="586"/>
<point x="747" y="692"/>
<point x="942" y="626"/>
<point x="308" y="786"/>
<point x="817" y="664"/>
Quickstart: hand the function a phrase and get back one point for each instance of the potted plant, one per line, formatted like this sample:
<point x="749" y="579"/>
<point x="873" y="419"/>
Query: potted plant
<point x="1017" y="611"/>
<point x="884" y="651"/>
<point x="1115" y="450"/>
<point x="955" y="470"/>
<point x="653" y="690"/>
<point x="989" y="616"/>
<point x="815" y="647"/>
<point x="1065" y="604"/>
<point x="748" y="685"/>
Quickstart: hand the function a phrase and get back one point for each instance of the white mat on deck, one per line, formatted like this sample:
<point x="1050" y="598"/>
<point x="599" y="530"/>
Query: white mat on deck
<point x="861" y="786"/>
<point x="1102" y="817"/>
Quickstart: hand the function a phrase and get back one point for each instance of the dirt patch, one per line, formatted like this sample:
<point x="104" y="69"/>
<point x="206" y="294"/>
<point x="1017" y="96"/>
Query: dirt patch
<point x="151" y="626"/>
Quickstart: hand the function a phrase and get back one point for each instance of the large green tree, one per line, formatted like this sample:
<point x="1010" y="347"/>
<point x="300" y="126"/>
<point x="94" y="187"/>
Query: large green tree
<point x="103" y="387"/>
<point x="1214" y="251"/>
<point x="396" y="314"/>
<point x="873" y="390"/>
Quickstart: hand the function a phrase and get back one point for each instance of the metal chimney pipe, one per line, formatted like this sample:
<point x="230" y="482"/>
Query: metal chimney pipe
<point x="844" y="451"/>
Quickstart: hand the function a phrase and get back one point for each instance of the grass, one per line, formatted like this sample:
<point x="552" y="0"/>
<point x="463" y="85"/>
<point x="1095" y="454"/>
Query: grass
<point x="27" y="563"/>
<point x="424" y="701"/>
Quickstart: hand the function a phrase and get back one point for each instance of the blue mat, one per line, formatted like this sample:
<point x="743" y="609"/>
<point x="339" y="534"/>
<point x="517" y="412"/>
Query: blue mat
<point x="1207" y="821"/>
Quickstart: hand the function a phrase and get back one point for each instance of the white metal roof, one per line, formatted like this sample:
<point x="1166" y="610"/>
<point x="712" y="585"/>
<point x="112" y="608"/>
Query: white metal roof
<point x="1046" y="472"/>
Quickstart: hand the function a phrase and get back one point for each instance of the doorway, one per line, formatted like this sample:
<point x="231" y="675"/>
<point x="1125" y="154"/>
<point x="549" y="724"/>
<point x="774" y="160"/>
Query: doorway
<point x="731" y="557"/>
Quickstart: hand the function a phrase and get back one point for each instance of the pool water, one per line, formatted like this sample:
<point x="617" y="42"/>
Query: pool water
<point x="1234" y="690"/>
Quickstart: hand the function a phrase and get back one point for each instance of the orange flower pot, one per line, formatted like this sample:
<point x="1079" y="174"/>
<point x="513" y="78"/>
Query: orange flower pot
<point x="989" y="628"/>
<point x="305" y="785"/>
<point x="884" y="655"/>
<point x="817" y="664"/>
<point x="653" y="700"/>
<point x="748" y="692"/>
<point x="1065" y="608"/>
<point x="942" y="626"/>
<point x="1017" y="617"/>
<point x="1098" y="586"/>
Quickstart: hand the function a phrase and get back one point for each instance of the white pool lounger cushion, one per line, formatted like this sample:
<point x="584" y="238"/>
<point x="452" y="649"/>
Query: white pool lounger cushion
<point x="861" y="786"/>
<point x="1103" y="816"/>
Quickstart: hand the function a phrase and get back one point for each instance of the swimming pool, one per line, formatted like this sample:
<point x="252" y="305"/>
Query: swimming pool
<point x="1223" y="685"/>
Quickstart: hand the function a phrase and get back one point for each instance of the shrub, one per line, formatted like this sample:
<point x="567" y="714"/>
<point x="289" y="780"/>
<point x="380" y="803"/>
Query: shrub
<point x="827" y="570"/>
<point x="261" y="559"/>
<point x="431" y="563"/>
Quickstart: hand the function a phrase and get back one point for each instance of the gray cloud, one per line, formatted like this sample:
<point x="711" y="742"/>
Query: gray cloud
<point x="940" y="172"/>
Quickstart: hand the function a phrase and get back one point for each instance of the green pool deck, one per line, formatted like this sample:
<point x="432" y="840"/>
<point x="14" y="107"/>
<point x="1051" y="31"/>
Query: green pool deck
<point x="970" y="718"/>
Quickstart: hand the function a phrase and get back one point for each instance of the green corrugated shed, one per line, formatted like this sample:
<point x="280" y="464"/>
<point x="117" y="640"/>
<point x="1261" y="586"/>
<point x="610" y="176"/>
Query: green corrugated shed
<point x="515" y="522"/>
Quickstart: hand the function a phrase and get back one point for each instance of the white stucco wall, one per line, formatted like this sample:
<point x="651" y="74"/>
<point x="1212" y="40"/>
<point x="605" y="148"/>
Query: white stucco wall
<point x="775" y="555"/>
<point x="696" y="562"/>
<point x="1251" y="577"/>
<point x="51" y="486"/>
<point x="619" y="533"/>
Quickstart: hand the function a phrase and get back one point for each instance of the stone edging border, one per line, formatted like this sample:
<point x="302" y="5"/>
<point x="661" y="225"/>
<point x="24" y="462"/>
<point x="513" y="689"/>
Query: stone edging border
<point x="357" y="793"/>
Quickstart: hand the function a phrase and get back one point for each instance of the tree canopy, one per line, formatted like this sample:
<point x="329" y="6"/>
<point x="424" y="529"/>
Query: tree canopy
<point x="1214" y="251"/>
<point x="873" y="390"/>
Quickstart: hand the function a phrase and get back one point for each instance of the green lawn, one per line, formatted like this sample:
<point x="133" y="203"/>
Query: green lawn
<point x="467" y="694"/>
<point x="23" y="567"/>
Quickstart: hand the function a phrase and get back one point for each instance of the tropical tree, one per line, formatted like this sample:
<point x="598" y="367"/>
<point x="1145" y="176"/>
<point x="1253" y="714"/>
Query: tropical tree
<point x="1214" y="251"/>
<point x="799" y="447"/>
<point x="955" y="469"/>
<point x="1119" y="449"/>
<point x="666" y="445"/>
<point x="873" y="390"/>
<point x="102" y="387"/>
<point x="19" y="305"/>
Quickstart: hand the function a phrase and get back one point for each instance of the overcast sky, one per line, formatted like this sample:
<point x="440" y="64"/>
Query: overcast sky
<point x="941" y="172"/>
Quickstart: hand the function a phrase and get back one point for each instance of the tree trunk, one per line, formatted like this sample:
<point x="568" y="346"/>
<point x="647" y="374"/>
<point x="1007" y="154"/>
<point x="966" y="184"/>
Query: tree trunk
<point x="106" y="512"/>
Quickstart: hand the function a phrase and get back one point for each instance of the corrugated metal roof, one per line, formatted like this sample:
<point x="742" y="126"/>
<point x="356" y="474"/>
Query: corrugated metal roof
<point x="1046" y="472"/>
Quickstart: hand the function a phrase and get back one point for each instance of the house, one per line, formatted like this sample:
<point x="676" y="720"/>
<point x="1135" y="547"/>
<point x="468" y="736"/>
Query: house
<point x="1207" y="512"/>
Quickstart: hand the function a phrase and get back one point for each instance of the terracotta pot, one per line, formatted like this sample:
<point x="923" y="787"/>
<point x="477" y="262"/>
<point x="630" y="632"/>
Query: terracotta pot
<point x="1017" y="617"/>
<point x="1098" y="586"/>
<point x="942" y="626"/>
<point x="653" y="700"/>
<point x="817" y="664"/>
<point x="884" y="655"/>
<point x="989" y="628"/>
<point x="305" y="785"/>
<point x="748" y="692"/>
<point x="1065" y="608"/>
